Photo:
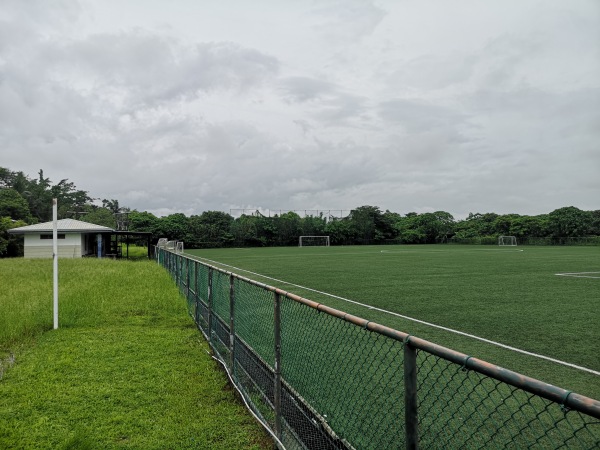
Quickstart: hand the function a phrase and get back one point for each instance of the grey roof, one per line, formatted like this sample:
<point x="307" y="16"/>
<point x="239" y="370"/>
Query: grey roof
<point x="63" y="226"/>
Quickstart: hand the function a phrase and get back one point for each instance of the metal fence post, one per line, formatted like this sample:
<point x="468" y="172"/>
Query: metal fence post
<point x="411" y="419"/>
<point x="231" y="323"/>
<point x="277" y="387"/>
<point x="187" y="278"/>
<point x="196" y="294"/>
<point x="210" y="301"/>
<point x="181" y="277"/>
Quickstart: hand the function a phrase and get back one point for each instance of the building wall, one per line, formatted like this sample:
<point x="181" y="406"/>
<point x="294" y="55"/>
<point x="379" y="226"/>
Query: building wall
<point x="69" y="247"/>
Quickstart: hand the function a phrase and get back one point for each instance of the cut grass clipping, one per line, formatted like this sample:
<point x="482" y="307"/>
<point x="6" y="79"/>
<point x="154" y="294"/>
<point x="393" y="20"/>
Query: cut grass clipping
<point x="126" y="369"/>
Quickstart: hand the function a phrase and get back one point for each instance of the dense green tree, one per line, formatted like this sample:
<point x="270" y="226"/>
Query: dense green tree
<point x="502" y="224"/>
<point x="386" y="224"/>
<point x="313" y="226"/>
<point x="40" y="198"/>
<point x="10" y="245"/>
<point x="245" y="230"/>
<point x="595" y="222"/>
<point x="426" y="228"/>
<point x="408" y="230"/>
<point x="39" y="194"/>
<point x="443" y="226"/>
<point x="477" y="225"/>
<point x="364" y="220"/>
<point x="70" y="200"/>
<point x="266" y="231"/>
<point x="210" y="229"/>
<point x="143" y="221"/>
<point x="13" y="205"/>
<point x="173" y="227"/>
<point x="528" y="226"/>
<point x="569" y="222"/>
<point x="100" y="216"/>
<point x="339" y="231"/>
<point x="288" y="227"/>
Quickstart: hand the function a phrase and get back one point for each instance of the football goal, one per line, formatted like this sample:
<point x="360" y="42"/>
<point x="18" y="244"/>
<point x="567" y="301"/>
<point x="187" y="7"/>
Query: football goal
<point x="312" y="241"/>
<point x="507" y="241"/>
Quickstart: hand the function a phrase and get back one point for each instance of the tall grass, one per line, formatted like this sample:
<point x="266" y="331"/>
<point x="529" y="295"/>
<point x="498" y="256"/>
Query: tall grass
<point x="126" y="368"/>
<point x="92" y="292"/>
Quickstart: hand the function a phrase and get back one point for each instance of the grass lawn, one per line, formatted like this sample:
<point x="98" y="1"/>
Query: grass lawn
<point x="508" y="295"/>
<point x="126" y="369"/>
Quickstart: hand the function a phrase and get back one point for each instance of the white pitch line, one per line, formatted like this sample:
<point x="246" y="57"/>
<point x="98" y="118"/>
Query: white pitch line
<point x="578" y="274"/>
<point x="451" y="330"/>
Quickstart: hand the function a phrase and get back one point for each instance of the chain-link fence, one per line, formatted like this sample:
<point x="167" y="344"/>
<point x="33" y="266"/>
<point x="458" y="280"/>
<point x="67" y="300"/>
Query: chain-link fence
<point x="323" y="379"/>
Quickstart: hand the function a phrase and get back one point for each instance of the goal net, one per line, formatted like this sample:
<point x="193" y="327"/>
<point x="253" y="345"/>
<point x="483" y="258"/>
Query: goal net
<point x="312" y="241"/>
<point x="507" y="240"/>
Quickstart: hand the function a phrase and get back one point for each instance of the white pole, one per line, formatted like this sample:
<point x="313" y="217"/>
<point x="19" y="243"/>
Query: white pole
<point x="55" y="258"/>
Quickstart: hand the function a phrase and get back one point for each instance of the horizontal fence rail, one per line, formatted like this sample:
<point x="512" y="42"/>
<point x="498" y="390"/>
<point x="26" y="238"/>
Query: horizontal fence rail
<point x="323" y="379"/>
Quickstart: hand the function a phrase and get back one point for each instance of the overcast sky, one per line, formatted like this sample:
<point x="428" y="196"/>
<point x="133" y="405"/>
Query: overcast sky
<point x="188" y="105"/>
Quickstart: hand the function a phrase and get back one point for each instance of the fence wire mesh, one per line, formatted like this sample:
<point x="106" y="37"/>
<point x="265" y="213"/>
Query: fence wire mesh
<point x="323" y="379"/>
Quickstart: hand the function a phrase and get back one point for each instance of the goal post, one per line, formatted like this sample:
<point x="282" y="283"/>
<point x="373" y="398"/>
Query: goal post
<point x="507" y="241"/>
<point x="313" y="241"/>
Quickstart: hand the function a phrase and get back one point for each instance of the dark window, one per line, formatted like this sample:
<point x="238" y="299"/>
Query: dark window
<point x="49" y="236"/>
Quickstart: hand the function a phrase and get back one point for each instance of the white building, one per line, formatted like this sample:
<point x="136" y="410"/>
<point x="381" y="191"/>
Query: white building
<point x="75" y="239"/>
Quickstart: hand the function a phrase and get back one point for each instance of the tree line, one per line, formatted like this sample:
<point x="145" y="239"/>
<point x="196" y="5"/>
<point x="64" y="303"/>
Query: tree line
<point x="24" y="200"/>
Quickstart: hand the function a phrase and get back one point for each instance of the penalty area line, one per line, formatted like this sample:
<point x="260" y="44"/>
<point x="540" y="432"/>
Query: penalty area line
<point x="579" y="274"/>
<point x="412" y="319"/>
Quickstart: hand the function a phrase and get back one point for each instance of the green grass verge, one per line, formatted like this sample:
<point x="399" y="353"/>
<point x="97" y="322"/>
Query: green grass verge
<point x="126" y="369"/>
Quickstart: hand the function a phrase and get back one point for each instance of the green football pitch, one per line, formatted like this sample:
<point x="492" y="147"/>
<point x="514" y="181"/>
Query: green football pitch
<point x="533" y="310"/>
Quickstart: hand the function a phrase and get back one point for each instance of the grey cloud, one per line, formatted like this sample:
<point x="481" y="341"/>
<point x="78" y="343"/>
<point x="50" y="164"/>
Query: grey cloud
<point x="35" y="18"/>
<point x="152" y="68"/>
<point x="343" y="107"/>
<point x="241" y="164"/>
<point x="348" y="20"/>
<point x="432" y="72"/>
<point x="417" y="116"/>
<point x="305" y="125"/>
<point x="302" y="89"/>
<point x="327" y="101"/>
<point x="61" y="90"/>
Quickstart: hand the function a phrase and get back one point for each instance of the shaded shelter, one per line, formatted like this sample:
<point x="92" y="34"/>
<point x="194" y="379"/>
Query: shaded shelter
<point x="77" y="239"/>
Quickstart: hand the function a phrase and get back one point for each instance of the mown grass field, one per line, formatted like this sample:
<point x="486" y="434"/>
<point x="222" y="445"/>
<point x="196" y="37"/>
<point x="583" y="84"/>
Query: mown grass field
<point x="126" y="369"/>
<point x="508" y="295"/>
